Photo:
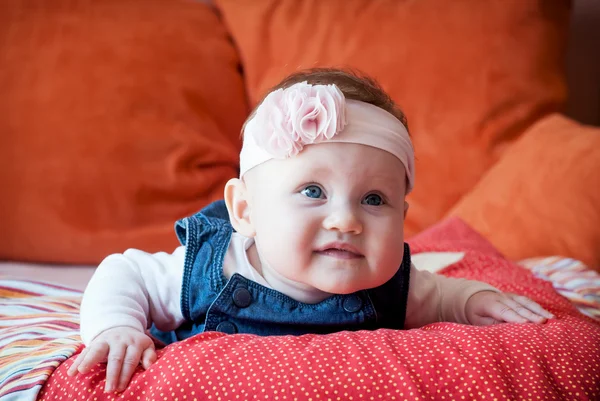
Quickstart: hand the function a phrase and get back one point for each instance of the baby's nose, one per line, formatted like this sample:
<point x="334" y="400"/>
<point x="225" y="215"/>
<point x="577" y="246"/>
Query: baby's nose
<point x="343" y="219"/>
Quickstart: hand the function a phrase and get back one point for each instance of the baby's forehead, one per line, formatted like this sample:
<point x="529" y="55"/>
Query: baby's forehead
<point x="338" y="161"/>
<point x="350" y="157"/>
<point x="370" y="169"/>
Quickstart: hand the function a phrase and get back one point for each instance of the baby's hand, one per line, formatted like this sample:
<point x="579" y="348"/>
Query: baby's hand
<point x="123" y="348"/>
<point x="488" y="307"/>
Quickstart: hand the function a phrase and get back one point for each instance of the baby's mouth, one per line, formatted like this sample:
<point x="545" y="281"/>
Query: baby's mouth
<point x="339" y="254"/>
<point x="339" y="251"/>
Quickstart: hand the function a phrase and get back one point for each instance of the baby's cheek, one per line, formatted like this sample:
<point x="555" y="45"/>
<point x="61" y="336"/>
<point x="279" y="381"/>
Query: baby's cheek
<point x="391" y="259"/>
<point x="283" y="246"/>
<point x="387" y="245"/>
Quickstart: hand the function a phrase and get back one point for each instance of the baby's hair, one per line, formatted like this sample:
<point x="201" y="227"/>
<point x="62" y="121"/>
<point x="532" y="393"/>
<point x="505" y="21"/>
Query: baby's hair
<point x="353" y="84"/>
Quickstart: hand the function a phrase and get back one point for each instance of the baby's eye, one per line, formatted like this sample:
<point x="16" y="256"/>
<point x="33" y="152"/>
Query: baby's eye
<point x="312" y="191"/>
<point x="373" y="200"/>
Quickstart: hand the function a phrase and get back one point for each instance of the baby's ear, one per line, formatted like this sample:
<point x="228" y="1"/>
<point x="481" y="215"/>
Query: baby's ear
<point x="238" y="207"/>
<point x="405" y="208"/>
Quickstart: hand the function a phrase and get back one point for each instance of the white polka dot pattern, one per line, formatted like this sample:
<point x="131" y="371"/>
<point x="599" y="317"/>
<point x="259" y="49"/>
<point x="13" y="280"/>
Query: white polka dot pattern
<point x="559" y="360"/>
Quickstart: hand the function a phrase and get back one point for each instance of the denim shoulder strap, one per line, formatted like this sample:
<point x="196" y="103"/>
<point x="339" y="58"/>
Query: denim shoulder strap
<point x="206" y="236"/>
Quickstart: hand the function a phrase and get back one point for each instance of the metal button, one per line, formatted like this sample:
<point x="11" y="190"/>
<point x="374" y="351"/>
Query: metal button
<point x="242" y="297"/>
<point x="227" y="328"/>
<point x="352" y="304"/>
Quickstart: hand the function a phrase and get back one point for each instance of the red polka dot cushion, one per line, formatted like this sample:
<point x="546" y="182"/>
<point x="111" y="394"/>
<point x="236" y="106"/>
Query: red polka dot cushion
<point x="445" y="361"/>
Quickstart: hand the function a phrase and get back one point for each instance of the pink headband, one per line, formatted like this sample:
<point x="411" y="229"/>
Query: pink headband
<point x="303" y="114"/>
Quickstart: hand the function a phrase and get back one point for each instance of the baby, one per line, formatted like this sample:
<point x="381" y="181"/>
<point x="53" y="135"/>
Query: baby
<point x="309" y="239"/>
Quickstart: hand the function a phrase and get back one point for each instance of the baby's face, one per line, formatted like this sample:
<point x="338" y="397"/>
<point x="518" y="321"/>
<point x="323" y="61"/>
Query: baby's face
<point x="330" y="218"/>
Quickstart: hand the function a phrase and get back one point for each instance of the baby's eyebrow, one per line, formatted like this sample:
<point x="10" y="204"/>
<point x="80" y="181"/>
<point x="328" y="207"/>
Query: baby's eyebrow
<point x="387" y="179"/>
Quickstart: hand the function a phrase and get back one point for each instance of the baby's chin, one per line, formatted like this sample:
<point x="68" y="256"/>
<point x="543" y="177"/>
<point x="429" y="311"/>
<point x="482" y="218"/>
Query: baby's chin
<point x="354" y="285"/>
<point x="344" y="289"/>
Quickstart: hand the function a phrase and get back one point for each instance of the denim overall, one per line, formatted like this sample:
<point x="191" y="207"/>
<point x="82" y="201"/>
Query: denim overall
<point x="211" y="302"/>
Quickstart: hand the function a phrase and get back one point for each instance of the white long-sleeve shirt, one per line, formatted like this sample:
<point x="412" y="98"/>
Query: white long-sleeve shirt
<point x="137" y="289"/>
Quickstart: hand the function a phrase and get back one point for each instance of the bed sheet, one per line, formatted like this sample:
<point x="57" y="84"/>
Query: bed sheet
<point x="39" y="329"/>
<point x="39" y="322"/>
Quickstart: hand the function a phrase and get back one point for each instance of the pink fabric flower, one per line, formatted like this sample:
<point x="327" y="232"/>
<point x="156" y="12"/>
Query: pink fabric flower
<point x="288" y="119"/>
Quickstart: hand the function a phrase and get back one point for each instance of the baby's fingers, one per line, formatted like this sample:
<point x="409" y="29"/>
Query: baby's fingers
<point x="113" y="367"/>
<point x="130" y="363"/>
<point x="148" y="357"/>
<point x="503" y="311"/>
<point x="89" y="357"/>
<point x="531" y="305"/>
<point x="74" y="367"/>
<point x="522" y="311"/>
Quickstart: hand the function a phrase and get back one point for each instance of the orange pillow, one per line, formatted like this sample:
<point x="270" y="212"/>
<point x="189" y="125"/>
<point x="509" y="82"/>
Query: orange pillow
<point x="470" y="75"/>
<point x="117" y="118"/>
<point x="543" y="196"/>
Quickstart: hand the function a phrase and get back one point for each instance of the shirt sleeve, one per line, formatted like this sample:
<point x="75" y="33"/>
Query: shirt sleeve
<point x="436" y="298"/>
<point x="134" y="289"/>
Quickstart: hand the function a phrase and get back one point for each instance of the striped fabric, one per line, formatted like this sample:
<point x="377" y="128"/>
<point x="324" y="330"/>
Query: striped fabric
<point x="39" y="328"/>
<point x="571" y="279"/>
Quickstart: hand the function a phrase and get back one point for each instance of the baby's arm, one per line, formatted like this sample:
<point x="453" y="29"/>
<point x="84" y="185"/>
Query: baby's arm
<point x="436" y="298"/>
<point x="128" y="293"/>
